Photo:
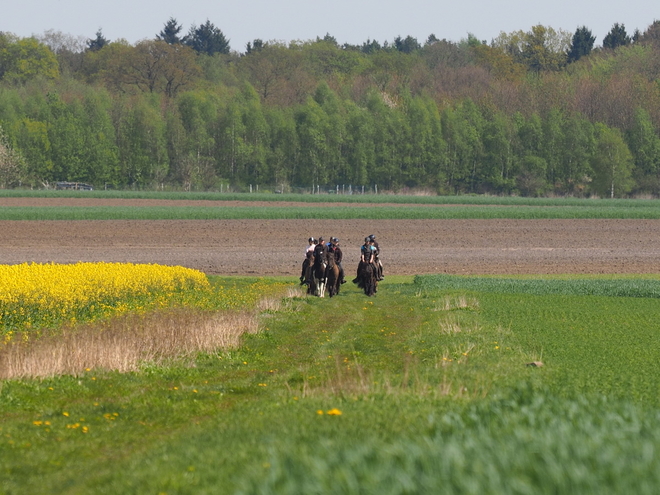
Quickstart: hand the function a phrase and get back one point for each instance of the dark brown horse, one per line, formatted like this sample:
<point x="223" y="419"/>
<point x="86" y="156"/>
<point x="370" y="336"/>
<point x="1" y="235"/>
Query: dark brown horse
<point x="332" y="276"/>
<point x="367" y="278"/>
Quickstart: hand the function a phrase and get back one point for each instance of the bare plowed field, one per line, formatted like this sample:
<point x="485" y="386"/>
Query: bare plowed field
<point x="275" y="247"/>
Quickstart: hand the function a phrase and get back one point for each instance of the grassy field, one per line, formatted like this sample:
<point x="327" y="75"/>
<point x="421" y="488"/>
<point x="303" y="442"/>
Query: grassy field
<point x="335" y="198"/>
<point x="424" y="388"/>
<point x="329" y="212"/>
<point x="385" y="207"/>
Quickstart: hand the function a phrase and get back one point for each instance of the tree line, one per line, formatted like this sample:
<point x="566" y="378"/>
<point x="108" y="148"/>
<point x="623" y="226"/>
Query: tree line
<point x="531" y="113"/>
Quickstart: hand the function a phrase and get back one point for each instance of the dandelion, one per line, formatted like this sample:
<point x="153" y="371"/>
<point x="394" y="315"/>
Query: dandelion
<point x="64" y="413"/>
<point x="334" y="412"/>
<point x="319" y="412"/>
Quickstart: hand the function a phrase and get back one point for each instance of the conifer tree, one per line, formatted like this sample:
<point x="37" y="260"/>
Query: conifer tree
<point x="616" y="37"/>
<point x="170" y="32"/>
<point x="581" y="44"/>
<point x="207" y="39"/>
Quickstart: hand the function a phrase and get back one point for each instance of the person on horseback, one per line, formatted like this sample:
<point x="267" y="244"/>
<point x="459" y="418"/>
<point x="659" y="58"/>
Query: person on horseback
<point x="307" y="262"/>
<point x="367" y="256"/>
<point x="321" y="251"/>
<point x="335" y="251"/>
<point x="379" y="264"/>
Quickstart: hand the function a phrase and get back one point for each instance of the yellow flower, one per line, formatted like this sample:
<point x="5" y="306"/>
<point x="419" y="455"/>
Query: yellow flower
<point x="319" y="412"/>
<point x="334" y="412"/>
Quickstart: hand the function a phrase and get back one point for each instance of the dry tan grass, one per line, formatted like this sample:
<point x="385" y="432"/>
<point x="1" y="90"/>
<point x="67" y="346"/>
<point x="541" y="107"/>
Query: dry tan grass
<point x="122" y="344"/>
<point x="449" y="303"/>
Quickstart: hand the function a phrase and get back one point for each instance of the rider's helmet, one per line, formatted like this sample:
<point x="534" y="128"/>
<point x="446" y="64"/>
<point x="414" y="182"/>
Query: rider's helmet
<point x="372" y="237"/>
<point x="311" y="239"/>
<point x="335" y="240"/>
<point x="367" y="240"/>
<point x="320" y="240"/>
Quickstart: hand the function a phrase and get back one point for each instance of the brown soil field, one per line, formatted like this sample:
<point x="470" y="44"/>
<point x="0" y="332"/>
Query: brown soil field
<point x="276" y="247"/>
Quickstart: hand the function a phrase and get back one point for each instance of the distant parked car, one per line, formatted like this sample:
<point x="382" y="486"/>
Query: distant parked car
<point x="80" y="186"/>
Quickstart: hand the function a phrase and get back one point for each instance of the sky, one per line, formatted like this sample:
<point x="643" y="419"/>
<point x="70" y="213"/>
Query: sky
<point x="349" y="21"/>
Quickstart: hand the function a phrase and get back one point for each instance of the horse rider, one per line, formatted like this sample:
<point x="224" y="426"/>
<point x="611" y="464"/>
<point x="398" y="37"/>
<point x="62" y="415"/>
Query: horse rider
<point x="367" y="255"/>
<point x="321" y="251"/>
<point x="378" y="263"/>
<point x="335" y="251"/>
<point x="307" y="262"/>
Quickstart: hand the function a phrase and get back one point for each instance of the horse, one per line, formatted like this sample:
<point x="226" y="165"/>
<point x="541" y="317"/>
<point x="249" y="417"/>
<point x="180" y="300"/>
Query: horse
<point x="318" y="278"/>
<point x="308" y="279"/>
<point x="367" y="278"/>
<point x="332" y="276"/>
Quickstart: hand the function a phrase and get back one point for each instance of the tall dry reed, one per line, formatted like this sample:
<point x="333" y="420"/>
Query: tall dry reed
<point x="124" y="343"/>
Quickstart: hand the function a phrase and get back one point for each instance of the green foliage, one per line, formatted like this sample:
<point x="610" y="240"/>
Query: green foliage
<point x="509" y="117"/>
<point x="612" y="163"/>
<point x="26" y="58"/>
<point x="540" y="49"/>
<point x="12" y="167"/>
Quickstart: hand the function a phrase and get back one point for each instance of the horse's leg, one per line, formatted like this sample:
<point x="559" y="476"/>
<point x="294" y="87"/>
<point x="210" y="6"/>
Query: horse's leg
<point x="370" y="280"/>
<point x="324" y="279"/>
<point x="332" y="280"/>
<point x="303" y="274"/>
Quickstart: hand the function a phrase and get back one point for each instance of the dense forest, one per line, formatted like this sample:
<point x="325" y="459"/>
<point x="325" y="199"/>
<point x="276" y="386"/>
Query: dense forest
<point x="538" y="112"/>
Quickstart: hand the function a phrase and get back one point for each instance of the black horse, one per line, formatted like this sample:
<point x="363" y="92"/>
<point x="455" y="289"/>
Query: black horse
<point x="367" y="278"/>
<point x="318" y="278"/>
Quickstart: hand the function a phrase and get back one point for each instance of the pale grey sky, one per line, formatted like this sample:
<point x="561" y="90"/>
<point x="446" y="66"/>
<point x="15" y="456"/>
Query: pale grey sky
<point x="349" y="21"/>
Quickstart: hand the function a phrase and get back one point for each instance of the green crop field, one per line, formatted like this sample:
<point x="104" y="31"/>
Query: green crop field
<point x="377" y="207"/>
<point x="425" y="388"/>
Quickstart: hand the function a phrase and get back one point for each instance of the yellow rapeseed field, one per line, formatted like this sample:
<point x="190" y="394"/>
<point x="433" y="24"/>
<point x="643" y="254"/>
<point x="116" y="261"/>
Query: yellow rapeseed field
<point x="43" y="295"/>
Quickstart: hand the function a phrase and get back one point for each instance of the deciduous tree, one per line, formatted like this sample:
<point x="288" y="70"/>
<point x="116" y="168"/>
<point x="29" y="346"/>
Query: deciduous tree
<point x="612" y="163"/>
<point x="22" y="59"/>
<point x="11" y="163"/>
